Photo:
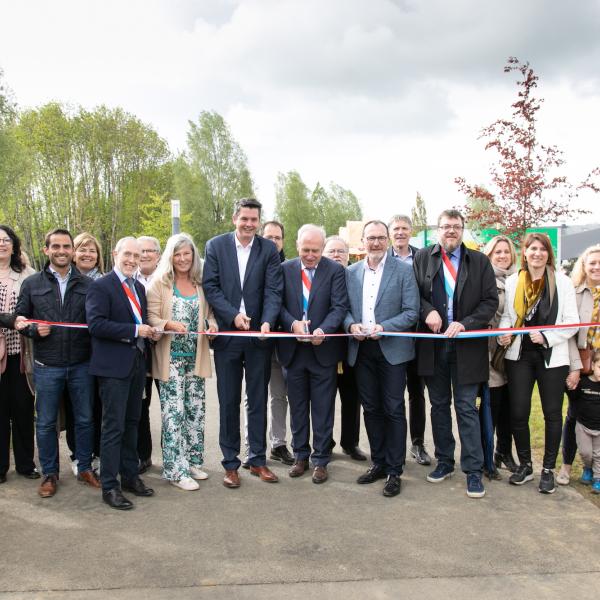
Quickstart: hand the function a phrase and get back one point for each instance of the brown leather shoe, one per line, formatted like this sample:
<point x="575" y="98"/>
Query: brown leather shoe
<point x="319" y="475"/>
<point x="89" y="478"/>
<point x="298" y="468"/>
<point x="264" y="473"/>
<point x="47" y="488"/>
<point x="231" y="479"/>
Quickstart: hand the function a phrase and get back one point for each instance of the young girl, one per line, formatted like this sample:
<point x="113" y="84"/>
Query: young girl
<point x="587" y="429"/>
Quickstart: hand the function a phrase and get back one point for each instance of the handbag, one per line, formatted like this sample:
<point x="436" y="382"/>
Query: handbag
<point x="585" y="354"/>
<point x="497" y="360"/>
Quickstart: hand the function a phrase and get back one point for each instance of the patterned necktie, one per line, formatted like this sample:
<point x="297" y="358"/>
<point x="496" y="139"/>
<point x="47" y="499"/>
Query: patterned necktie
<point x="307" y="277"/>
<point x="593" y="337"/>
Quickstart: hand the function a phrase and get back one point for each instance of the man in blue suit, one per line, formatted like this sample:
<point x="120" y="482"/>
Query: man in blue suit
<point x="314" y="301"/>
<point x="383" y="297"/>
<point x="116" y="311"/>
<point x="242" y="282"/>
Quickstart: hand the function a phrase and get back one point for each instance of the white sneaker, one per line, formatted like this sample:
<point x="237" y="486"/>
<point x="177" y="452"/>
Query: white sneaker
<point x="74" y="467"/>
<point x="185" y="483"/>
<point x="198" y="473"/>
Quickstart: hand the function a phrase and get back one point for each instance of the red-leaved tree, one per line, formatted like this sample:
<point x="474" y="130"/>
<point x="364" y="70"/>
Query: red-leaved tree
<point x="528" y="188"/>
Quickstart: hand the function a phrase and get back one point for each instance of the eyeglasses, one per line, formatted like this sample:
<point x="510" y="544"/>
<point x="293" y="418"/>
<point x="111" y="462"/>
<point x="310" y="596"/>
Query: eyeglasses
<point x="149" y="251"/>
<point x="5" y="241"/>
<point x="381" y="239"/>
<point x="274" y="238"/>
<point x="451" y="227"/>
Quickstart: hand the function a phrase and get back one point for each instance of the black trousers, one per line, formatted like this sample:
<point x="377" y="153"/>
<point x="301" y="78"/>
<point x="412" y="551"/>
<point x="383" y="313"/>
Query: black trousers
<point x="416" y="402"/>
<point x="569" y="440"/>
<point x="500" y="405"/>
<point x="381" y="389"/>
<point x="522" y="376"/>
<point x="144" y="445"/>
<point x="350" y="425"/>
<point x="121" y="408"/>
<point x="16" y="417"/>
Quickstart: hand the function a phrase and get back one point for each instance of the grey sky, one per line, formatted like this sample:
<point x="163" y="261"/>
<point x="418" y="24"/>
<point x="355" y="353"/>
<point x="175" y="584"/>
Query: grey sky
<point x="384" y="97"/>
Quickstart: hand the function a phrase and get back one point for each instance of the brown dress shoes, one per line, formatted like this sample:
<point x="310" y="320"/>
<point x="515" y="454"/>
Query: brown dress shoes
<point x="231" y="479"/>
<point x="298" y="468"/>
<point x="48" y="487"/>
<point x="264" y="473"/>
<point x="89" y="478"/>
<point x="319" y="475"/>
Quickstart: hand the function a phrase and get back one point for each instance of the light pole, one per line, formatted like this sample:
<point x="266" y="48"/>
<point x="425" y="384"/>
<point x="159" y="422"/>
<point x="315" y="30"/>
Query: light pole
<point x="175" y="222"/>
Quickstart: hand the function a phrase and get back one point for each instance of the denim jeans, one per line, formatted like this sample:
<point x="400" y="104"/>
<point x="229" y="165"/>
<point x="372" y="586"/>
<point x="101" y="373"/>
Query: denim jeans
<point x="49" y="384"/>
<point x="442" y="388"/>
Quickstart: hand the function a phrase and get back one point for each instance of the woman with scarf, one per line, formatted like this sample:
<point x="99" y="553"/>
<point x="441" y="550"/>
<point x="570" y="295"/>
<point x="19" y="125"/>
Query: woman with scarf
<point x="501" y="252"/>
<point x="537" y="295"/>
<point x="586" y="279"/>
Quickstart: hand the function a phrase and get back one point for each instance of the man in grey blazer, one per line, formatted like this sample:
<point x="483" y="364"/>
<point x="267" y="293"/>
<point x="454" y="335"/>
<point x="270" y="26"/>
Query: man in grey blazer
<point x="383" y="297"/>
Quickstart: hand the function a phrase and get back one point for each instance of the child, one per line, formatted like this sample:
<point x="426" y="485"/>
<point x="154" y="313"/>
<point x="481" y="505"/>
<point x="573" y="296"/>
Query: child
<point x="587" y="429"/>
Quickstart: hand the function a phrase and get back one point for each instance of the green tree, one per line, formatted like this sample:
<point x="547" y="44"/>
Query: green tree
<point x="211" y="176"/>
<point x="293" y="207"/>
<point x="335" y="206"/>
<point x="419" y="215"/>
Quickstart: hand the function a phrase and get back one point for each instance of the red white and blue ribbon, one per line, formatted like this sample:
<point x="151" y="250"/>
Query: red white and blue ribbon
<point x="135" y="305"/>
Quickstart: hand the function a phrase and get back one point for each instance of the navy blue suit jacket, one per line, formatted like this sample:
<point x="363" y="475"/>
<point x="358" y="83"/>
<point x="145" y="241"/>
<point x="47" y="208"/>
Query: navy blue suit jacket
<point x="327" y="307"/>
<point x="261" y="288"/>
<point x="112" y="326"/>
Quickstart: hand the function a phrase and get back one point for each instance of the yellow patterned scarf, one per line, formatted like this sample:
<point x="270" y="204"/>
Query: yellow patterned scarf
<point x="593" y="337"/>
<point x="527" y="294"/>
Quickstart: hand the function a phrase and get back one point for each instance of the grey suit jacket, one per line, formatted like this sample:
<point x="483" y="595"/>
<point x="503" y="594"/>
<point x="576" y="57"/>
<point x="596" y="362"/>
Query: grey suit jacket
<point x="396" y="308"/>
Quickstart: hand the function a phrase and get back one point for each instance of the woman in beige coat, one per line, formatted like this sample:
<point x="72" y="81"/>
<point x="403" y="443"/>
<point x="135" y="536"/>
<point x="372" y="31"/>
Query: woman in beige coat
<point x="181" y="360"/>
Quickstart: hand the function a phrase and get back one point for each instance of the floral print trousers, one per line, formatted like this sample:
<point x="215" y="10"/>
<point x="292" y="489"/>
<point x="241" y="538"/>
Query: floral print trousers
<point x="182" y="411"/>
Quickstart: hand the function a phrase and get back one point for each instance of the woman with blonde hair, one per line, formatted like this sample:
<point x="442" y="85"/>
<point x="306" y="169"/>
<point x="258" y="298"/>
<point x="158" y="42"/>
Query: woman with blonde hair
<point x="586" y="279"/>
<point x="180" y="362"/>
<point x="537" y="295"/>
<point x="88" y="255"/>
<point x="501" y="252"/>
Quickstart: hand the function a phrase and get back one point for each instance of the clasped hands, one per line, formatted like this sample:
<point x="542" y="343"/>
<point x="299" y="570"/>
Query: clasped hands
<point x="300" y="328"/>
<point x="361" y="332"/>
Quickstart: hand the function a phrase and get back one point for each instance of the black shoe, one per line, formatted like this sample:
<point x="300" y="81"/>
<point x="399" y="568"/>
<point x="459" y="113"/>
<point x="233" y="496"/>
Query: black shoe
<point x="493" y="474"/>
<point x="392" y="486"/>
<point x="33" y="474"/>
<point x="523" y="474"/>
<point x="137" y="486"/>
<point x="281" y="453"/>
<point x="355" y="453"/>
<point x="547" y="482"/>
<point x="3" y="478"/>
<point x="374" y="473"/>
<point x="115" y="499"/>
<point x="144" y="465"/>
<point x="507" y="460"/>
<point x="420" y="454"/>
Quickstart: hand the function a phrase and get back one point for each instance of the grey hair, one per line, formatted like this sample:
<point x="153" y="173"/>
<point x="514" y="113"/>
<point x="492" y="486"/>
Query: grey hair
<point x="122" y="241"/>
<point x="165" y="271"/>
<point x="149" y="238"/>
<point x="311" y="227"/>
<point x="404" y="218"/>
<point x="337" y="238"/>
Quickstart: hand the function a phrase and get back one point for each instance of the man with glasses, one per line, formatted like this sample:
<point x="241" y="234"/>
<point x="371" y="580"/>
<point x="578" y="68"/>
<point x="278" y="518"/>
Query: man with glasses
<point x="458" y="293"/>
<point x="337" y="250"/>
<point x="400" y="227"/>
<point x="383" y="297"/>
<point x="150" y="255"/>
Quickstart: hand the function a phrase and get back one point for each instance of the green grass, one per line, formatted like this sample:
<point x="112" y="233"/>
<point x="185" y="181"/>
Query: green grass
<point x="536" y="426"/>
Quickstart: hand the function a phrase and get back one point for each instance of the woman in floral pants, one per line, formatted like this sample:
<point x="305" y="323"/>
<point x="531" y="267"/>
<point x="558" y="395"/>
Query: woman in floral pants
<point x="180" y="362"/>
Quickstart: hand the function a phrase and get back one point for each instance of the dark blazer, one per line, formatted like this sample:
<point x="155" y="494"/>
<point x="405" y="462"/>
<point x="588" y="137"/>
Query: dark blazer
<point x="327" y="307"/>
<point x="475" y="304"/>
<point x="261" y="290"/>
<point x="112" y="326"/>
<point x="396" y="308"/>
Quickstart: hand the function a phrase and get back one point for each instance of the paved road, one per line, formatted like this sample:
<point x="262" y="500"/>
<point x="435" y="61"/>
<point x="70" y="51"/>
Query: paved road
<point x="298" y="540"/>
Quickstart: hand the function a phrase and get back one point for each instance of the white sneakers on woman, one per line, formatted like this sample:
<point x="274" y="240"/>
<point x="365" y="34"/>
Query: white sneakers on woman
<point x="186" y="483"/>
<point x="197" y="473"/>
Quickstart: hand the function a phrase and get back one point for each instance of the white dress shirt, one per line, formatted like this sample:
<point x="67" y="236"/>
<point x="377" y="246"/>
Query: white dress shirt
<point x="243" y="254"/>
<point x="371" y="283"/>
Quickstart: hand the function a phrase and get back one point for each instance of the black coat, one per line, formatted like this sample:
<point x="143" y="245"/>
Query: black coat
<point x="475" y="303"/>
<point x="40" y="299"/>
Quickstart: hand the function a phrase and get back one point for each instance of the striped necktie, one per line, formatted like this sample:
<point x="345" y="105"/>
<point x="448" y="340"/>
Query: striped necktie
<point x="137" y="311"/>
<point x="307" y="277"/>
<point x="449" y="278"/>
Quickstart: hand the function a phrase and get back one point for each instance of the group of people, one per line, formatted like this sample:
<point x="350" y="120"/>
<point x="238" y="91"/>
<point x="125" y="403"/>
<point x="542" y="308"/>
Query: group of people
<point x="302" y="329"/>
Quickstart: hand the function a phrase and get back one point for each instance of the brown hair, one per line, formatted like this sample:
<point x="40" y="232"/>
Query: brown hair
<point x="543" y="239"/>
